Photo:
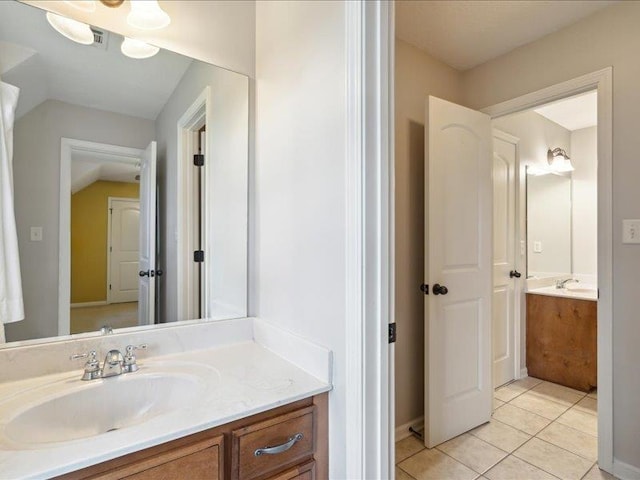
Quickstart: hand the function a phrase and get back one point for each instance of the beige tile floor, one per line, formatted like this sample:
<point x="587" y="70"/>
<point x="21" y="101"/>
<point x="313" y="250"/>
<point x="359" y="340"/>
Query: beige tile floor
<point x="539" y="430"/>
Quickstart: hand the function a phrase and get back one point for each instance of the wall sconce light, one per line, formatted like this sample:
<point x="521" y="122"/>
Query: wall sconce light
<point x="559" y="161"/>
<point x="147" y="15"/>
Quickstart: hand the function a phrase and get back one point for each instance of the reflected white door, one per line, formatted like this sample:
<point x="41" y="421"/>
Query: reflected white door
<point x="504" y="257"/>
<point x="458" y="382"/>
<point x="146" y="299"/>
<point x="123" y="250"/>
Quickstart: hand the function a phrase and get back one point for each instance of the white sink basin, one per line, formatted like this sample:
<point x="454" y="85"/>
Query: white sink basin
<point x="75" y="410"/>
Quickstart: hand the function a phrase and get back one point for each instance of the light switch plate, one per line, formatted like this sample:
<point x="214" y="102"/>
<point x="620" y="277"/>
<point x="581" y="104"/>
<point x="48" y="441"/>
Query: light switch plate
<point x="537" y="247"/>
<point x="630" y="231"/>
<point x="36" y="234"/>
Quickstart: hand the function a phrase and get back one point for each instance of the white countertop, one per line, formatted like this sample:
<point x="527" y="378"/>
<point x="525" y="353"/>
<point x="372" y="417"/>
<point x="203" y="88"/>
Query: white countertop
<point x="249" y="379"/>
<point x="582" y="292"/>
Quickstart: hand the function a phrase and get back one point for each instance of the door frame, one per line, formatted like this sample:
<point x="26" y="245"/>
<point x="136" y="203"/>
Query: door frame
<point x="602" y="82"/>
<point x="67" y="147"/>
<point x="520" y="260"/>
<point x="109" y="218"/>
<point x="198" y="113"/>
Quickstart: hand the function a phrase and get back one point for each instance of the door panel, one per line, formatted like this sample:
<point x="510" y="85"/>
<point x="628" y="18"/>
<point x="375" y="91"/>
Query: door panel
<point x="504" y="248"/>
<point x="146" y="305"/>
<point x="123" y="245"/>
<point x="458" y="236"/>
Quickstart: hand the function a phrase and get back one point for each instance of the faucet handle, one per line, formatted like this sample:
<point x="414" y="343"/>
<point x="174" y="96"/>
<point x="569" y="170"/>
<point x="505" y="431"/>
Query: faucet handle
<point x="91" y="367"/>
<point x="129" y="364"/>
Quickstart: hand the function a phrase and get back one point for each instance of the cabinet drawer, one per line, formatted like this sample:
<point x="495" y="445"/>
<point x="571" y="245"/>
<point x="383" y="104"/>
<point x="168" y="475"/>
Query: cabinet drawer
<point x="253" y="454"/>
<point x="301" y="472"/>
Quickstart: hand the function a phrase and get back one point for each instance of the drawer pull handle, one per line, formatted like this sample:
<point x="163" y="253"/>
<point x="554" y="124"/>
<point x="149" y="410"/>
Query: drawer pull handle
<point x="279" y="448"/>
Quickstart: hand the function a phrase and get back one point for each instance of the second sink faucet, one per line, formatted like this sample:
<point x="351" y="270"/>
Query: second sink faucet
<point x="563" y="283"/>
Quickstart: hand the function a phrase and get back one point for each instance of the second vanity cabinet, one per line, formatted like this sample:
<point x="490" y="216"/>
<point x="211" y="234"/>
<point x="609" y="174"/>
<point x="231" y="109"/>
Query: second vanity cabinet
<point x="285" y="443"/>
<point x="562" y="340"/>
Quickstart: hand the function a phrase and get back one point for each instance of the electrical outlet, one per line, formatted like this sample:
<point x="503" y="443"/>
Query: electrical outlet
<point x="630" y="231"/>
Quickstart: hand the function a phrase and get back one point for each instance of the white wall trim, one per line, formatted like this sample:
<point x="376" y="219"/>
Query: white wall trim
<point x="67" y="147"/>
<point x="524" y="373"/>
<point x="402" y="431"/>
<point x="198" y="112"/>
<point x="354" y="255"/>
<point x="624" y="471"/>
<point x="369" y="191"/>
<point x="602" y="81"/>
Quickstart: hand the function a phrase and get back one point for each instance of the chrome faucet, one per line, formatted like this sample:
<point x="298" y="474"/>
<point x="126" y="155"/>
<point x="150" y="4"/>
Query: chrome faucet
<point x="114" y="363"/>
<point x="563" y="283"/>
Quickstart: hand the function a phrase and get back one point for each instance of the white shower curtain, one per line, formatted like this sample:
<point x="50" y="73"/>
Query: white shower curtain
<point x="11" y="304"/>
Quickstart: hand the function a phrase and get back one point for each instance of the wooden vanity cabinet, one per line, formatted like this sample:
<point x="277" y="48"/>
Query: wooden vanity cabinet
<point x="228" y="451"/>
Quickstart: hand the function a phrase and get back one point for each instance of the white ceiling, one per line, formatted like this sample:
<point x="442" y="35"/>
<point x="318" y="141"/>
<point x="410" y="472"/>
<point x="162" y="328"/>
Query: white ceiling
<point x="88" y="167"/>
<point x="573" y="113"/>
<point x="46" y="65"/>
<point x="467" y="33"/>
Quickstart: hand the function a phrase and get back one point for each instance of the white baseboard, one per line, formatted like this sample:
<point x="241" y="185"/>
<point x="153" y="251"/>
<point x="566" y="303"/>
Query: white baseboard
<point x="89" y="304"/>
<point x="524" y="373"/>
<point x="624" y="471"/>
<point x="402" y="431"/>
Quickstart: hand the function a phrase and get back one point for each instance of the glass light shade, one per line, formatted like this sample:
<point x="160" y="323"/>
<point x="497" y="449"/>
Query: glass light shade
<point x="72" y="29"/>
<point x="82" y="5"/>
<point x="137" y="49"/>
<point x="147" y="15"/>
<point x="559" y="161"/>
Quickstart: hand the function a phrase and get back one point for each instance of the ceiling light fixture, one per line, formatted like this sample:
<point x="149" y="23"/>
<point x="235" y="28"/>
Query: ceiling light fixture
<point x="559" y="161"/>
<point x="137" y="49"/>
<point x="82" y="5"/>
<point x="72" y="29"/>
<point x="147" y="15"/>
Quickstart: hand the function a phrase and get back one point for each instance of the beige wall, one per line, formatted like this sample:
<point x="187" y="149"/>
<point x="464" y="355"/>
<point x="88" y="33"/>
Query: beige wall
<point x="608" y="38"/>
<point x="417" y="76"/>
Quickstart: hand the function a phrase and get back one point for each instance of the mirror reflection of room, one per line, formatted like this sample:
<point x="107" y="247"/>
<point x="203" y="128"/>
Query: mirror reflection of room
<point x="105" y="239"/>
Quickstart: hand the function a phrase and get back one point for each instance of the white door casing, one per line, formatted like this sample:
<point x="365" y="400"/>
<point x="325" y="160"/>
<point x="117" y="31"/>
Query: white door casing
<point x="458" y="384"/>
<point x="146" y="299"/>
<point x="504" y="258"/>
<point x="123" y="250"/>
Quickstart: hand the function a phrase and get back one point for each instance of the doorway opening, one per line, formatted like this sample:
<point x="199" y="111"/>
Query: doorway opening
<point x="536" y="393"/>
<point x="107" y="236"/>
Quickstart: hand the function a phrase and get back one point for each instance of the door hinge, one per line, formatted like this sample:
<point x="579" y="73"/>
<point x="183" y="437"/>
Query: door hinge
<point x="198" y="160"/>
<point x="424" y="288"/>
<point x="392" y="332"/>
<point x="198" y="256"/>
<point x="109" y="286"/>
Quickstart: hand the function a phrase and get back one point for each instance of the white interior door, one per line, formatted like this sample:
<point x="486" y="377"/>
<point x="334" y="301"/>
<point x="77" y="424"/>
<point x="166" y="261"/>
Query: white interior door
<point x="124" y="250"/>
<point x="458" y="237"/>
<point x="504" y="258"/>
<point x="146" y="301"/>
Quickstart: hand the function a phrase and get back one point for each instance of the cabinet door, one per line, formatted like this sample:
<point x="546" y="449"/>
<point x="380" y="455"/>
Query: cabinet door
<point x="200" y="460"/>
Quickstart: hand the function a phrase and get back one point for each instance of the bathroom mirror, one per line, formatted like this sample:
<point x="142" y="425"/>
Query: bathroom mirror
<point x="130" y="182"/>
<point x="548" y="224"/>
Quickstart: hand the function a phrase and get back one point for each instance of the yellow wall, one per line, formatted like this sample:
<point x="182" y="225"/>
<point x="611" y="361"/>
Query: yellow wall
<point x="89" y="222"/>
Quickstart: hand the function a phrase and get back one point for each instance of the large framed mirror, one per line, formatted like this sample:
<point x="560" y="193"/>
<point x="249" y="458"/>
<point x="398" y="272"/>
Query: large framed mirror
<point x="130" y="179"/>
